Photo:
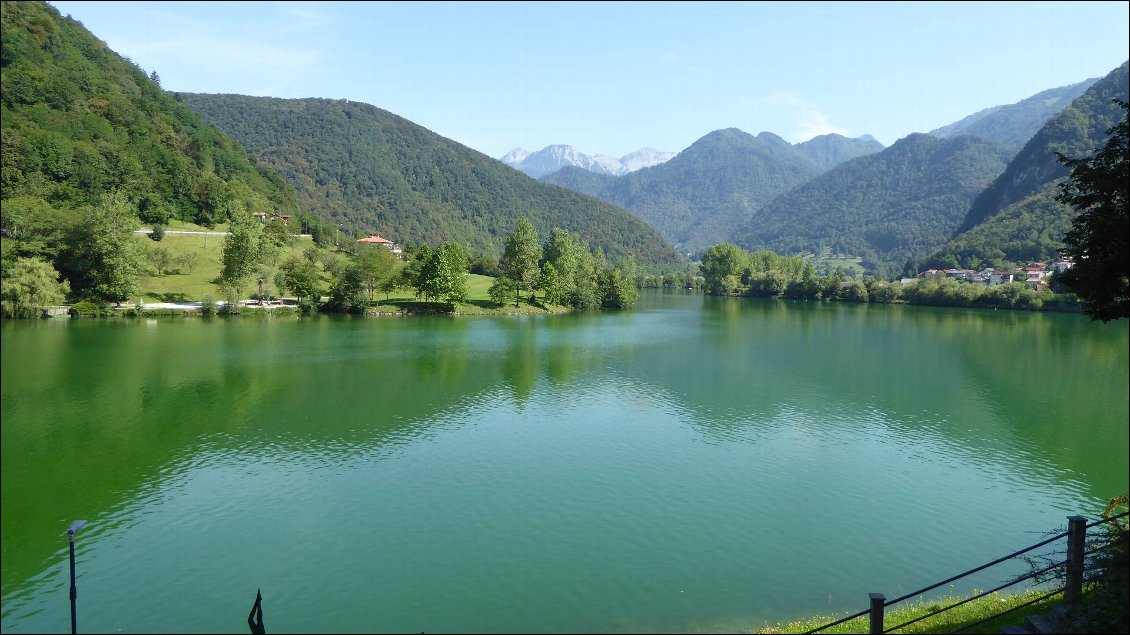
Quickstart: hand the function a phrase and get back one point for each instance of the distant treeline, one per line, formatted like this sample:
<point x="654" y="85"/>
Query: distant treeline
<point x="565" y="271"/>
<point x="729" y="270"/>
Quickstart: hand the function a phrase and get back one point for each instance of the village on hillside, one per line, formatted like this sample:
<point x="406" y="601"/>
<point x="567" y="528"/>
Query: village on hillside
<point x="1035" y="275"/>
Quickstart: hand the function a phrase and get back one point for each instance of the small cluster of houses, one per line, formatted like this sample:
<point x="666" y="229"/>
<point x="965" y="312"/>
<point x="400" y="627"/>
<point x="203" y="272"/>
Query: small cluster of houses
<point x="1034" y="275"/>
<point x="263" y="217"/>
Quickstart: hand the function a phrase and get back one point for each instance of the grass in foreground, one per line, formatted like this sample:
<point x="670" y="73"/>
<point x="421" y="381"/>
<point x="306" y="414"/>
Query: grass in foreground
<point x="946" y="622"/>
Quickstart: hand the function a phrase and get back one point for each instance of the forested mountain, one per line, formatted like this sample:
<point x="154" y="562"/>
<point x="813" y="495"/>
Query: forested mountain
<point x="695" y="199"/>
<point x="80" y="121"/>
<point x="93" y="147"/>
<point x="1017" y="218"/>
<point x="580" y="180"/>
<point x="376" y="172"/>
<point x="899" y="203"/>
<point x="1013" y="125"/>
<point x="704" y="193"/>
<point x="828" y="151"/>
<point x="1076" y="131"/>
<point x="1031" y="229"/>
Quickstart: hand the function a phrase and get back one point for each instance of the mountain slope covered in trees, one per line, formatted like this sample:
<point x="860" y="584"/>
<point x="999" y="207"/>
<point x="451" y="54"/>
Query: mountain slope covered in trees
<point x="1013" y="125"/>
<point x="373" y="171"/>
<point x="1017" y="218"/>
<point x="1075" y="131"/>
<point x="696" y="197"/>
<point x="704" y="193"/>
<point x="80" y="125"/>
<point x="580" y="180"/>
<point x="899" y="203"/>
<point x="80" y="121"/>
<point x="1031" y="229"/>
<point x="829" y="150"/>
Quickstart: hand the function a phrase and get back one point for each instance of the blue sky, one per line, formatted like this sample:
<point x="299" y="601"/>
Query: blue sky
<point x="610" y="78"/>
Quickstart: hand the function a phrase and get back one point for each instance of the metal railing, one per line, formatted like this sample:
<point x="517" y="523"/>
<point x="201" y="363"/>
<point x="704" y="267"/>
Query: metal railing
<point x="1073" y="567"/>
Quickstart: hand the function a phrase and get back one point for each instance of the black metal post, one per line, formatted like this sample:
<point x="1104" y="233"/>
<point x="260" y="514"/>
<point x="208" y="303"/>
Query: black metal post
<point x="74" y="589"/>
<point x="878" y="600"/>
<point x="1076" y="539"/>
<point x="75" y="526"/>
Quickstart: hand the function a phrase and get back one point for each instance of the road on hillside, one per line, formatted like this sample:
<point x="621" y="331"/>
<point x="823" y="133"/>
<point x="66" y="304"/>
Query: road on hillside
<point x="178" y="231"/>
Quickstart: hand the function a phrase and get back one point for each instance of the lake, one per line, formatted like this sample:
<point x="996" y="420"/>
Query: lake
<point x="696" y="464"/>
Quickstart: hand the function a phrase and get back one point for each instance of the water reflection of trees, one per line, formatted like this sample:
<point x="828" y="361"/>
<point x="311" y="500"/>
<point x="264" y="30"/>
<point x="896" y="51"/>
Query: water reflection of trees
<point x="1052" y="387"/>
<point x="96" y="412"/>
<point x="521" y="360"/>
<point x="104" y="410"/>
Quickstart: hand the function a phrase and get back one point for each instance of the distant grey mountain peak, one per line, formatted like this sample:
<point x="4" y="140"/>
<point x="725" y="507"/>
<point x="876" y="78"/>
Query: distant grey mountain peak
<point x="554" y="157"/>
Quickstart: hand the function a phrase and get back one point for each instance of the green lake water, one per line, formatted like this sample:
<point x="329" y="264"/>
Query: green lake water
<point x="696" y="464"/>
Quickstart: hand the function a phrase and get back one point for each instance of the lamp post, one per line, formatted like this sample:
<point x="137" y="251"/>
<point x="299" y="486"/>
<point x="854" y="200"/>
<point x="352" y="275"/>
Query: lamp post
<point x="75" y="526"/>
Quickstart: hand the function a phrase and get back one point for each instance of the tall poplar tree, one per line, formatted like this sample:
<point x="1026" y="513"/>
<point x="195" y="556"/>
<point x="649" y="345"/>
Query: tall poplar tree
<point x="520" y="258"/>
<point x="240" y="252"/>
<point x="107" y="255"/>
<point x="563" y="250"/>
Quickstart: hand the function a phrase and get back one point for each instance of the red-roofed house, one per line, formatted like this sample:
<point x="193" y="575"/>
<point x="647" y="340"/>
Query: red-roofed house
<point x="1034" y="274"/>
<point x="377" y="240"/>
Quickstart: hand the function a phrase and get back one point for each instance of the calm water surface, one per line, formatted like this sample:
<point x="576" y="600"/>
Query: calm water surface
<point x="697" y="464"/>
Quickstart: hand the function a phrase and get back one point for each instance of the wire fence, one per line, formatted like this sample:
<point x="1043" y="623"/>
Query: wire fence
<point x="1072" y="570"/>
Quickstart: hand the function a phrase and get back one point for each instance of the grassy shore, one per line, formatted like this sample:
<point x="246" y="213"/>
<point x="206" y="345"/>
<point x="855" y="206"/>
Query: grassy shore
<point x="946" y="622"/>
<point x="193" y="285"/>
<point x="478" y="302"/>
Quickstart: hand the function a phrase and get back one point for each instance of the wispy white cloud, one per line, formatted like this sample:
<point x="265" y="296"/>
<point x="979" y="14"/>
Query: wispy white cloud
<point x="304" y="16"/>
<point x="809" y="119"/>
<point x="205" y="49"/>
<point x="228" y="56"/>
<point x="200" y="56"/>
<point x="221" y="65"/>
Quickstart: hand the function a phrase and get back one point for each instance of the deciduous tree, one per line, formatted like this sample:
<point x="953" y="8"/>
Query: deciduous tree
<point x="501" y="290"/>
<point x="107" y="255"/>
<point x="32" y="286"/>
<point x="378" y="265"/>
<point x="348" y="292"/>
<point x="520" y="257"/>
<point x="550" y="284"/>
<point x="1097" y="189"/>
<point x="618" y="285"/>
<point x="300" y="277"/>
<point x="241" y="251"/>
<point x="443" y="273"/>
<point x="720" y="261"/>
<point x="563" y="250"/>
